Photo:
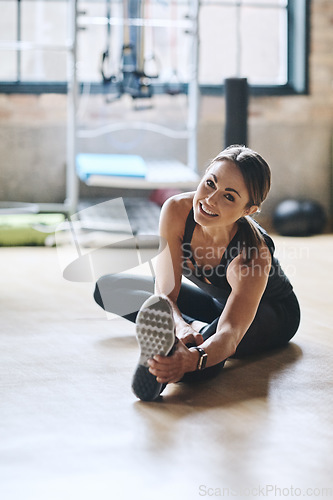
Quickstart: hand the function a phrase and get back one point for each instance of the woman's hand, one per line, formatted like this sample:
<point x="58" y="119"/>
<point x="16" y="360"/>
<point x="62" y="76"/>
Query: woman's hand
<point x="184" y="331"/>
<point x="169" y="369"/>
<point x="189" y="336"/>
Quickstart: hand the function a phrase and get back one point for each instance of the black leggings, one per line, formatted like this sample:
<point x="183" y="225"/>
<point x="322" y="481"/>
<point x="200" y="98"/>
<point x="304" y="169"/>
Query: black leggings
<point x="275" y="323"/>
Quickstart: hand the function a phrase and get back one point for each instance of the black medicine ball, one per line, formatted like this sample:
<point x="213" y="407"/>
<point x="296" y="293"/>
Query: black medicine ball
<point x="299" y="218"/>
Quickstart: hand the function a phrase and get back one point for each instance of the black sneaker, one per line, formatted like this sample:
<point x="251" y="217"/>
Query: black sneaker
<point x="155" y="331"/>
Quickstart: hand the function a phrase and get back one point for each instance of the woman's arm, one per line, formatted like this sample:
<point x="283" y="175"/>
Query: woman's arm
<point x="169" y="261"/>
<point x="248" y="282"/>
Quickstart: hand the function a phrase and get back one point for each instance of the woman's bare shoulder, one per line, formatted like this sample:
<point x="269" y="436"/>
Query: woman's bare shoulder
<point x="175" y="211"/>
<point x="181" y="201"/>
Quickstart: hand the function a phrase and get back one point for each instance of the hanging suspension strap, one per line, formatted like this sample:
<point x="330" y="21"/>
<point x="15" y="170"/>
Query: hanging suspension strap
<point x="109" y="80"/>
<point x="105" y="62"/>
<point x="135" y="82"/>
<point x="174" y="85"/>
<point x="150" y="64"/>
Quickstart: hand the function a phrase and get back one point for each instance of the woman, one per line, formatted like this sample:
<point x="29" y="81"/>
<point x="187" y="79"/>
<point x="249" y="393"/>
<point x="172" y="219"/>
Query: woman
<point x="242" y="303"/>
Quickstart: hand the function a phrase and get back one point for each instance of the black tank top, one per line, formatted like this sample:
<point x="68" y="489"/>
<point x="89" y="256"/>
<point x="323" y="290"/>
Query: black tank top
<point x="213" y="280"/>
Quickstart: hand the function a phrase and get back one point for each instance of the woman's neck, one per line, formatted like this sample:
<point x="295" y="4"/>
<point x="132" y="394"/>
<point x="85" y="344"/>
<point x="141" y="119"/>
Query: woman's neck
<point x="217" y="236"/>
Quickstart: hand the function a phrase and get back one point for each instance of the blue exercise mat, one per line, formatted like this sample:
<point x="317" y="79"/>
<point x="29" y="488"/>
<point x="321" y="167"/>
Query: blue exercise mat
<point x="104" y="164"/>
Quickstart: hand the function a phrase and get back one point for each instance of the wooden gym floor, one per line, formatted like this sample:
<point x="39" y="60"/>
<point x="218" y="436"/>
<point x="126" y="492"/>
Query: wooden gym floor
<point x="71" y="429"/>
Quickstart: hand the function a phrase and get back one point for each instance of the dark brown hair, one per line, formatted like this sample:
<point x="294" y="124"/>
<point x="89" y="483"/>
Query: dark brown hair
<point x="257" y="177"/>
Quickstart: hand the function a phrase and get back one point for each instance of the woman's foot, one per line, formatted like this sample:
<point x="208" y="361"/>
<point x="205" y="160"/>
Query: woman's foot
<point x="155" y="331"/>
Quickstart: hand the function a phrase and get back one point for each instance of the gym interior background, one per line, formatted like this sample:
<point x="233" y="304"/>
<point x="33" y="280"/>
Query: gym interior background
<point x="289" y="107"/>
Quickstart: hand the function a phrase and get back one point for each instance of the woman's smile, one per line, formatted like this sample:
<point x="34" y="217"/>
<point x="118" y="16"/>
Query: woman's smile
<point x="206" y="211"/>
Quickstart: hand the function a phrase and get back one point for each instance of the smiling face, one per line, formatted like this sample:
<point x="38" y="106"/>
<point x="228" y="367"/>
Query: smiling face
<point x="222" y="196"/>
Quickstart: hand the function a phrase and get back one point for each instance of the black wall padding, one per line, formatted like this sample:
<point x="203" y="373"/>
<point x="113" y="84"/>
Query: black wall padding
<point x="236" y="98"/>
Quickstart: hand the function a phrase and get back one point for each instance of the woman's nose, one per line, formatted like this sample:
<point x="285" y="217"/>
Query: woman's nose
<point x="211" y="198"/>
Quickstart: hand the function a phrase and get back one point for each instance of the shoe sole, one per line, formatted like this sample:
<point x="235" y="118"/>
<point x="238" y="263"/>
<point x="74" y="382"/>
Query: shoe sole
<point x="155" y="331"/>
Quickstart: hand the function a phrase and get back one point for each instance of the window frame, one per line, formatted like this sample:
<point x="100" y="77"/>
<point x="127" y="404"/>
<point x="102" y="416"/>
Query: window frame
<point x="298" y="43"/>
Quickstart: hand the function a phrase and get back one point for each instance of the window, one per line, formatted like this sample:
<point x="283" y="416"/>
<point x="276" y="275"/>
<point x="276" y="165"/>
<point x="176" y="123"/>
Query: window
<point x="33" y="45"/>
<point x="265" y="41"/>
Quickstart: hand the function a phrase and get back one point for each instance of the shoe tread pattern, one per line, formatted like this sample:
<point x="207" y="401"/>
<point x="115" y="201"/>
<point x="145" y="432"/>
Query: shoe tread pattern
<point x="155" y="334"/>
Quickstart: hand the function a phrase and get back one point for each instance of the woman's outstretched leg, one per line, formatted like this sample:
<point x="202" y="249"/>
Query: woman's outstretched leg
<point x="123" y="294"/>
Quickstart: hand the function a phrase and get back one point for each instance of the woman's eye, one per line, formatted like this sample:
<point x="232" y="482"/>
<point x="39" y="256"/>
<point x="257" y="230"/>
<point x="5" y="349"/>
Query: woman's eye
<point x="230" y="197"/>
<point x="210" y="183"/>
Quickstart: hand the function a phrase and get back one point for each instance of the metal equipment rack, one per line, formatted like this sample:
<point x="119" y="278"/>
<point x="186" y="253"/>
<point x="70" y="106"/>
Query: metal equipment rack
<point x="160" y="174"/>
